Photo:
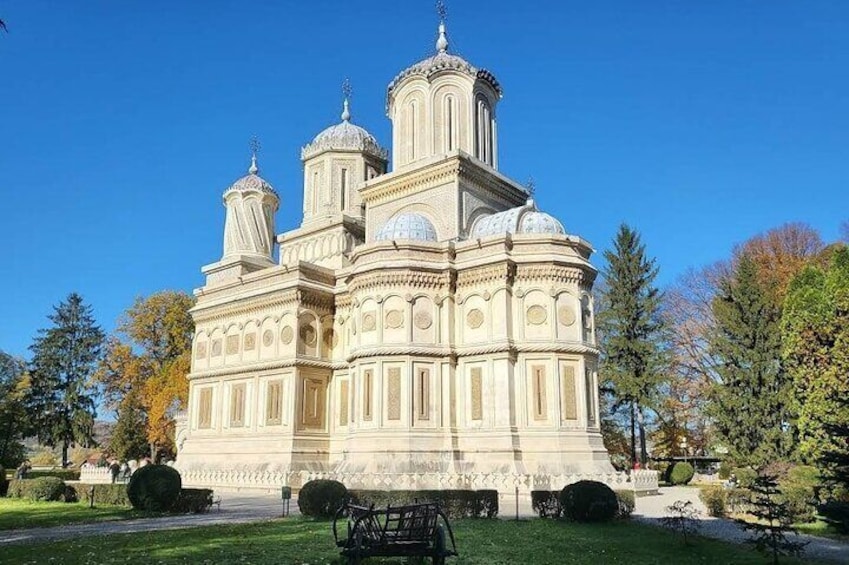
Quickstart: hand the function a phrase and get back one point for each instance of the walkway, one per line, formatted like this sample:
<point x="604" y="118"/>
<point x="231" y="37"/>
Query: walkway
<point x="236" y="508"/>
<point x="651" y="508"/>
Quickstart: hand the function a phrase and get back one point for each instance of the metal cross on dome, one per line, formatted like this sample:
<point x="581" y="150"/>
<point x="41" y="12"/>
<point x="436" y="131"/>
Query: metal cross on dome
<point x="442" y="10"/>
<point x="255" y="145"/>
<point x="347" y="89"/>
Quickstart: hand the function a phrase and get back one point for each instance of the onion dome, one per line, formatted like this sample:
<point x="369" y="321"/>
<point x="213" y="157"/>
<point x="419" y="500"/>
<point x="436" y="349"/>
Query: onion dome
<point x="520" y="220"/>
<point x="407" y="225"/>
<point x="444" y="61"/>
<point x="344" y="136"/>
<point x="252" y="181"/>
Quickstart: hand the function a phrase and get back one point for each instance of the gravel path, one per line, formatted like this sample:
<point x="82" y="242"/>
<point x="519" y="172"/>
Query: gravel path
<point x="651" y="508"/>
<point x="235" y="509"/>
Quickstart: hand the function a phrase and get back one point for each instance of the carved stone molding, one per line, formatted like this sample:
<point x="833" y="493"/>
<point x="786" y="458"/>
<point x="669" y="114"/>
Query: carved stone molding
<point x="536" y="315"/>
<point x="423" y="320"/>
<point x="267" y="338"/>
<point x="369" y="322"/>
<point x="394" y="319"/>
<point x="286" y="335"/>
<point x="474" y="318"/>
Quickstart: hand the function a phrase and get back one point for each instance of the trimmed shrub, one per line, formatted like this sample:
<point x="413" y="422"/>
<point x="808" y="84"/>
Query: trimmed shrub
<point x="745" y="476"/>
<point x="626" y="502"/>
<point x="724" y="470"/>
<point x="154" y="488"/>
<point x="714" y="498"/>
<point x="546" y="503"/>
<point x="321" y="498"/>
<point x="42" y="488"/>
<point x="798" y="489"/>
<point x="64" y="474"/>
<point x="455" y="503"/>
<point x="681" y="474"/>
<point x="193" y="501"/>
<point x="588" y="501"/>
<point x="108" y="494"/>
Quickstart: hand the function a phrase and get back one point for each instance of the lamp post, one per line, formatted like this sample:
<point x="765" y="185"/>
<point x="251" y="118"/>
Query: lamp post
<point x="683" y="446"/>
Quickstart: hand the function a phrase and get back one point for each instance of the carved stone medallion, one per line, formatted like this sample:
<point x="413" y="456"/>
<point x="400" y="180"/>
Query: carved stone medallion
<point x="250" y="341"/>
<point x="308" y="335"/>
<point x="267" y="338"/>
<point x="423" y="320"/>
<point x="394" y="319"/>
<point x="565" y="315"/>
<point x="536" y="315"/>
<point x="368" y="322"/>
<point x="287" y="334"/>
<point x="474" y="319"/>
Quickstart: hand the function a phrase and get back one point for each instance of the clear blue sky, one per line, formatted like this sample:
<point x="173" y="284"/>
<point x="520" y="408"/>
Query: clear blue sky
<point x="121" y="123"/>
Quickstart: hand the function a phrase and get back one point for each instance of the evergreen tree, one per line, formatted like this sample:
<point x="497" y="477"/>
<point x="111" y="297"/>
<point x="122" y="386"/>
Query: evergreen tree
<point x="631" y="331"/>
<point x="61" y="401"/>
<point x="774" y="520"/>
<point x="129" y="440"/>
<point x="13" y="421"/>
<point x="750" y="402"/>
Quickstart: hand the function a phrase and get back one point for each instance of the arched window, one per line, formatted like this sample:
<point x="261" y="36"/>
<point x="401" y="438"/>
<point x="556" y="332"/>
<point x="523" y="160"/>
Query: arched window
<point x="484" y="141"/>
<point x="450" y="117"/>
<point x="411" y="131"/>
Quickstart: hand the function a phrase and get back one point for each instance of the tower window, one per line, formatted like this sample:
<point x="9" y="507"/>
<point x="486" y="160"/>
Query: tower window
<point x="315" y="192"/>
<point x="343" y="198"/>
<point x="449" y="123"/>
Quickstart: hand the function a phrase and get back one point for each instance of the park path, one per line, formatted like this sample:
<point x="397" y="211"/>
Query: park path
<point x="650" y="509"/>
<point x="236" y="508"/>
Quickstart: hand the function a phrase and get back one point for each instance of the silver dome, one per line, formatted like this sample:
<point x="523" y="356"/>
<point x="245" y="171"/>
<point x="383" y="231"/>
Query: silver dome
<point x="540" y="222"/>
<point x="407" y="225"/>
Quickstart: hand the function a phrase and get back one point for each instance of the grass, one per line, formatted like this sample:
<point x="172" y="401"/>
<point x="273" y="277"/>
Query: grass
<point x="16" y="513"/>
<point x="298" y="541"/>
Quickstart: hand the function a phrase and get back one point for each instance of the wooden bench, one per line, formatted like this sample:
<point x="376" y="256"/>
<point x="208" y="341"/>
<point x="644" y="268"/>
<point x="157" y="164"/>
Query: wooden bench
<point x="415" y="530"/>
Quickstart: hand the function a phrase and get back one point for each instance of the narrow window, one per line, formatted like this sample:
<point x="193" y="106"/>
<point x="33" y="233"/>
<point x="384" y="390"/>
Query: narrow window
<point x="367" y="394"/>
<point x="423" y="394"/>
<point x="205" y="402"/>
<point x="237" y="406"/>
<point x="274" y="403"/>
<point x="411" y="131"/>
<point x="538" y="376"/>
<point x="343" y="197"/>
<point x="315" y="192"/>
<point x="449" y="123"/>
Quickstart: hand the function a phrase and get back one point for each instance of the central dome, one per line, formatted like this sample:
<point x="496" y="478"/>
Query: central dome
<point x="407" y="225"/>
<point x="444" y="61"/>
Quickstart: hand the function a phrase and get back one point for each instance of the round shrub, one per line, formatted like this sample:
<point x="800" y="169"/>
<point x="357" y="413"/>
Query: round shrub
<point x="321" y="498"/>
<point x="681" y="474"/>
<point x="724" y="470"/>
<point x="46" y="488"/>
<point x="588" y="501"/>
<point x="154" y="488"/>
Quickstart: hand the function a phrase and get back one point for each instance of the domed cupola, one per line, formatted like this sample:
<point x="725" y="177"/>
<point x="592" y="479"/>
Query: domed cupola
<point x="336" y="162"/>
<point x="525" y="219"/>
<point x="249" y="225"/>
<point x="407" y="226"/>
<point x="542" y="223"/>
<point x="442" y="104"/>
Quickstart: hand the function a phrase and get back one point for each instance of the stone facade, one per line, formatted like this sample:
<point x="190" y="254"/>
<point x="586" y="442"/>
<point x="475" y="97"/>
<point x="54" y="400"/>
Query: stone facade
<point x="426" y="327"/>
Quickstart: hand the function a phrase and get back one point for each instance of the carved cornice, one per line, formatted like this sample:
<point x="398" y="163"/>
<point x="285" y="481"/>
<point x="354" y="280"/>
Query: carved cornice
<point x="505" y="346"/>
<point x="501" y="272"/>
<point x="400" y="349"/>
<point x="432" y="280"/>
<point x="401" y="183"/>
<point x="254" y="306"/>
<point x="553" y="273"/>
<point x="267" y="366"/>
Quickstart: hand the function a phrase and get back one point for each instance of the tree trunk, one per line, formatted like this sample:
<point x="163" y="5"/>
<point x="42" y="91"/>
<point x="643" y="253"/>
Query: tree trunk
<point x="633" y="437"/>
<point x="153" y="450"/>
<point x="64" y="454"/>
<point x="641" y="423"/>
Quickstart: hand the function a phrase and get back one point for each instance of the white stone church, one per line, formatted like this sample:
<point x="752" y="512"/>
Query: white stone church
<point x="424" y="327"/>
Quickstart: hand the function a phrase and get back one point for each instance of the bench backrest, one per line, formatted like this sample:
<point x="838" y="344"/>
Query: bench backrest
<point x="412" y="523"/>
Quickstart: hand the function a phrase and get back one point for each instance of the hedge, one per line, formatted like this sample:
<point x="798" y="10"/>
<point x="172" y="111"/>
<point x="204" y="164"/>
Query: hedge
<point x="64" y="474"/>
<point x="109" y="494"/>
<point x="193" y="501"/>
<point x="42" y="488"/>
<point x="546" y="503"/>
<point x="455" y="503"/>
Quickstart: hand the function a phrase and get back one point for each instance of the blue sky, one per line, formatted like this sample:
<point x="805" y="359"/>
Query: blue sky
<point x="121" y="123"/>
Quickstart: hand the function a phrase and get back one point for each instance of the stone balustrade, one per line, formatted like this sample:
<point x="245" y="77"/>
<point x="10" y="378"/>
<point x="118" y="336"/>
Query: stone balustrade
<point x="95" y="475"/>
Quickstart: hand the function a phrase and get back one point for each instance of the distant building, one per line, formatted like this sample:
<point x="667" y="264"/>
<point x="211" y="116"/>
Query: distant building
<point x="425" y="327"/>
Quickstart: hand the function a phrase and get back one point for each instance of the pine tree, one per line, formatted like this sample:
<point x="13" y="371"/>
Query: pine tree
<point x="773" y="519"/>
<point x="750" y="402"/>
<point x="129" y="440"/>
<point x="631" y="331"/>
<point x="61" y="401"/>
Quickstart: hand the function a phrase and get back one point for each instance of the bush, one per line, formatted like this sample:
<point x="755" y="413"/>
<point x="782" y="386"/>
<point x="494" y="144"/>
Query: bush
<point x="724" y="470"/>
<point x="798" y="489"/>
<point x="737" y="500"/>
<point x="546" y="503"/>
<point x="193" y="501"/>
<point x="681" y="474"/>
<point x="154" y="488"/>
<point x="715" y="500"/>
<point x="455" y="503"/>
<point x="626" y="502"/>
<point x="64" y="474"/>
<point x="588" y="501"/>
<point x="745" y="476"/>
<point x="42" y="488"/>
<point x="836" y="513"/>
<point x="108" y="494"/>
<point x="321" y="498"/>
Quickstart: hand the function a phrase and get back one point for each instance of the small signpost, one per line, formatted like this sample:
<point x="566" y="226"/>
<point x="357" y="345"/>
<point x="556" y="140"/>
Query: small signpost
<point x="91" y="496"/>
<point x="286" y="495"/>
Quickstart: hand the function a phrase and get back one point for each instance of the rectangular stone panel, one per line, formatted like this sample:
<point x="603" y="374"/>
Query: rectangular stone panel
<point x="237" y="406"/>
<point x="367" y="393"/>
<point x="205" y="408"/>
<point x="343" y="403"/>
<point x="393" y="393"/>
<point x="539" y="400"/>
<point x="476" y="392"/>
<point x="568" y="398"/>
<point x="250" y="341"/>
<point x="312" y="403"/>
<point x="232" y="344"/>
<point x="200" y="351"/>
<point x="590" y="386"/>
<point x="274" y="403"/>
<point x="422" y="400"/>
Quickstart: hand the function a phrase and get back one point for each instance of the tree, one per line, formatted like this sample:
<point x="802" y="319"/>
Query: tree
<point x="749" y="403"/>
<point x="146" y="366"/>
<point x="60" y="401"/>
<point x="13" y="416"/>
<point x="815" y="331"/>
<point x="773" y="519"/>
<point x="631" y="330"/>
<point x="129" y="440"/>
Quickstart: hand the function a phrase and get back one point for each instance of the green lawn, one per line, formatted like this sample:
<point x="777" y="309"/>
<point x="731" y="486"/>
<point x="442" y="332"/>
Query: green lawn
<point x="16" y="513"/>
<point x="298" y="541"/>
